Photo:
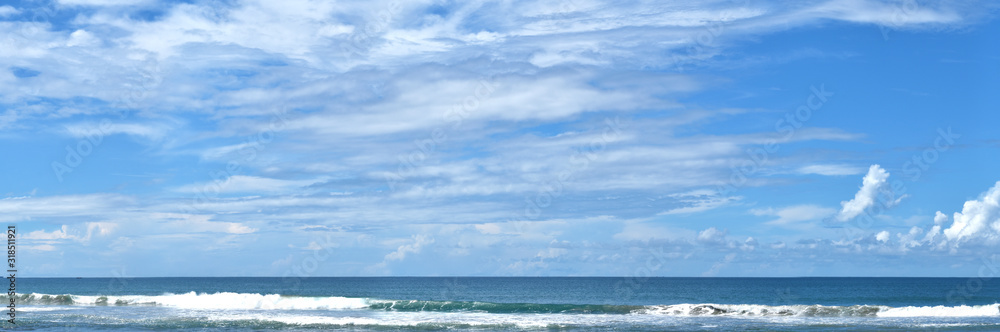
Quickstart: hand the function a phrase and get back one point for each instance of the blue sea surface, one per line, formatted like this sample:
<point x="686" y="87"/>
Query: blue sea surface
<point x="508" y="303"/>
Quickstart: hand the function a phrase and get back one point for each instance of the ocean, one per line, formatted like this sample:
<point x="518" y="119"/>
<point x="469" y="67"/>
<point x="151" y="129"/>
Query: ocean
<point x="507" y="304"/>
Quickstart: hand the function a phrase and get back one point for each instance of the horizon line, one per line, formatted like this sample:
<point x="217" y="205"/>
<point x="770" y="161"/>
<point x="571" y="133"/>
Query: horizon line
<point x="649" y="277"/>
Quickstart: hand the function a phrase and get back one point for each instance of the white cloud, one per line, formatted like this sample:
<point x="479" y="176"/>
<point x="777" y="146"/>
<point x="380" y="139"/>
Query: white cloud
<point x="313" y="245"/>
<point x="122" y="244"/>
<point x="292" y="27"/>
<point x="646" y="231"/>
<point x="874" y="187"/>
<point x="82" y="38"/>
<point x="73" y="233"/>
<point x="893" y="14"/>
<point x="795" y="214"/>
<point x="488" y="228"/>
<point x="712" y="235"/>
<point x="932" y="235"/>
<point x="8" y="11"/>
<point x="101" y="130"/>
<point x="40" y="247"/>
<point x="719" y="265"/>
<point x="102" y="228"/>
<point x="830" y="169"/>
<point x="183" y="223"/>
<point x="102" y="2"/>
<point x="978" y="223"/>
<point x="237" y="228"/>
<point x="24" y="208"/>
<point x="249" y="184"/>
<point x="551" y="253"/>
<point x="882" y="236"/>
<point x="749" y="244"/>
<point x="225" y="62"/>
<point x="909" y="240"/>
<point x="940" y="218"/>
<point x="978" y="219"/>
<point x="699" y="201"/>
<point x="418" y="244"/>
<point x="424" y="105"/>
<point x="59" y="234"/>
<point x="331" y="30"/>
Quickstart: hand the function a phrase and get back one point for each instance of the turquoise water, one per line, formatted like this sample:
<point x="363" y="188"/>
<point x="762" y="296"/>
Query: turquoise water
<point x="465" y="303"/>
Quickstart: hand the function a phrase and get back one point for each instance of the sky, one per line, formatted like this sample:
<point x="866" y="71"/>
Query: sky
<point x="500" y="138"/>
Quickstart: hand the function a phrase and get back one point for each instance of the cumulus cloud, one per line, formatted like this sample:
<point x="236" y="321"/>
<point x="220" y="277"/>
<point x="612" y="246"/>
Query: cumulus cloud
<point x="205" y="75"/>
<point x="551" y="253"/>
<point x="977" y="224"/>
<point x="713" y="235"/>
<point x="237" y="228"/>
<point x="882" y="236"/>
<point x="59" y="234"/>
<point x="874" y="188"/>
<point x="418" y="244"/>
<point x="979" y="218"/>
<point x="68" y="233"/>
<point x="940" y="218"/>
<point x="82" y="38"/>
<point x="749" y="244"/>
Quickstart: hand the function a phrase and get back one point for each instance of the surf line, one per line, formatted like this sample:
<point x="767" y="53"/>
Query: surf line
<point x="11" y="253"/>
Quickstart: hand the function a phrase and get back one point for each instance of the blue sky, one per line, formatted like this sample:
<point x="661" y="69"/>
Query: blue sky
<point x="570" y="137"/>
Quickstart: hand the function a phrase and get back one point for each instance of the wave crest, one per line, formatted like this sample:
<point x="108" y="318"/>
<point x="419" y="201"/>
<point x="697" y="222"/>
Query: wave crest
<point x="816" y="310"/>
<point x="226" y="300"/>
<point x="194" y="300"/>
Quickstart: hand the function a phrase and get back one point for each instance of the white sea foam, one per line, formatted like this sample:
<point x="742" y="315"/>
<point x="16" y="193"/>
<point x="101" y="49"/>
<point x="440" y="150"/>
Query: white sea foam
<point x="194" y="300"/>
<point x="708" y="309"/>
<point x="45" y="308"/>
<point x="942" y="311"/>
<point x="226" y="301"/>
<point x="407" y="319"/>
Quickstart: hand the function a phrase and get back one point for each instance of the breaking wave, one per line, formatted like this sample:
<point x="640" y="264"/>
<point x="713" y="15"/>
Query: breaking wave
<point x="816" y="310"/>
<point x="223" y="301"/>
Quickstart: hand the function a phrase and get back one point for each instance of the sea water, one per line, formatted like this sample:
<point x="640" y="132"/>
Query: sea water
<point x="507" y="303"/>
